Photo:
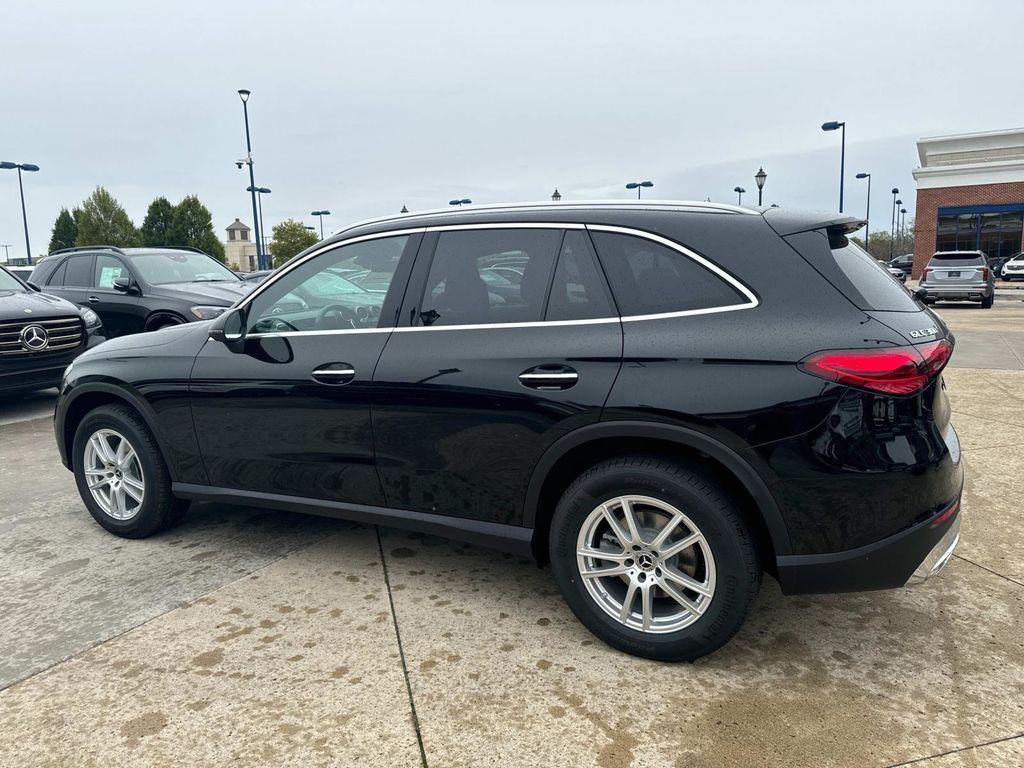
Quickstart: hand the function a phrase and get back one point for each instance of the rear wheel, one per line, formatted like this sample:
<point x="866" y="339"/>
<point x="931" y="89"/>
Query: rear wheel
<point x="121" y="475"/>
<point x="653" y="558"/>
<point x="986" y="303"/>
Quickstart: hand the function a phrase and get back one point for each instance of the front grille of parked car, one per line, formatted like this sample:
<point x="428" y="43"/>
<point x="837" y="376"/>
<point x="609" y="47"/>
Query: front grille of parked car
<point x="63" y="333"/>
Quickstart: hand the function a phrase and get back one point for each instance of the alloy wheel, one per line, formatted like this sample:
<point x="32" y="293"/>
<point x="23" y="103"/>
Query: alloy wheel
<point x="646" y="564"/>
<point x="114" y="474"/>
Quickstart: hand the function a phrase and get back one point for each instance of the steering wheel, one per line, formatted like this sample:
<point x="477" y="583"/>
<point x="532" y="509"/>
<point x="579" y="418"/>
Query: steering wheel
<point x="336" y="316"/>
<point x="272" y="323"/>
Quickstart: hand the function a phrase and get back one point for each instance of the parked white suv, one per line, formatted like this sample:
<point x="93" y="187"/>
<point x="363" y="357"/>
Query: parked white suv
<point x="1014" y="268"/>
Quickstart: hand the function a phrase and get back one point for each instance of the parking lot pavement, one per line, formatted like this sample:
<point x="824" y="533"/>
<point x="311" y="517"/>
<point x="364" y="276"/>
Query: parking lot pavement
<point x="986" y="338"/>
<point x="251" y="638"/>
<point x="26" y="407"/>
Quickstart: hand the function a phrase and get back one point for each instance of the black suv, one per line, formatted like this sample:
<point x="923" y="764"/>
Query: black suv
<point x="672" y="399"/>
<point x="39" y="336"/>
<point x="140" y="289"/>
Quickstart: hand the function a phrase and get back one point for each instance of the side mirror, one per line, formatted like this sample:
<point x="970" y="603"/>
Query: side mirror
<point x="122" y="284"/>
<point x="33" y="286"/>
<point x="229" y="330"/>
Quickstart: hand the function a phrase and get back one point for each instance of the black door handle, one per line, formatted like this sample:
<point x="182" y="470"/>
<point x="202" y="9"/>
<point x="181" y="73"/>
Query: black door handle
<point x="549" y="377"/>
<point x="334" y="373"/>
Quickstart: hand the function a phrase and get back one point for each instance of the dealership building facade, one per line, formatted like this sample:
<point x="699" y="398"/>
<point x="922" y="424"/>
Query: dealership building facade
<point x="970" y="195"/>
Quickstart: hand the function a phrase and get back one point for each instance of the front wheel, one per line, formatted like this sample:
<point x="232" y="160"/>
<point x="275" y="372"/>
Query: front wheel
<point x="655" y="559"/>
<point x="121" y="475"/>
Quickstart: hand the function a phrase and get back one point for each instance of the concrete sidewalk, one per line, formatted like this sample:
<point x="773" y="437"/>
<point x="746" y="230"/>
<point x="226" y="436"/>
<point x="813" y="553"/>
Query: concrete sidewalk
<point x="251" y="638"/>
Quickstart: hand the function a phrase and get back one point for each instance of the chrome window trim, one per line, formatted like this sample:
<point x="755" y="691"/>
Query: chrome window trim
<point x="750" y="303"/>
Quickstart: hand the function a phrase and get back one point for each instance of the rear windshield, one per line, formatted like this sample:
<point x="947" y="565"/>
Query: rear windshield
<point x="957" y="260"/>
<point x="871" y="286"/>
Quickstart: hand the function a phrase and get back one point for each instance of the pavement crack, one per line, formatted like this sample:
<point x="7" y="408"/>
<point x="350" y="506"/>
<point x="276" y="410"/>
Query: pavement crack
<point x="401" y="651"/>
<point x="994" y="573"/>
<point x="955" y="751"/>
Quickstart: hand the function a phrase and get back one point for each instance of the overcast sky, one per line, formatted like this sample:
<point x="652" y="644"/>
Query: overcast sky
<point x="361" y="107"/>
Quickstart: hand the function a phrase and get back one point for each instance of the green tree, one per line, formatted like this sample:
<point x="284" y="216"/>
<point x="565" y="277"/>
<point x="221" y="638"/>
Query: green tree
<point x="290" y="238"/>
<point x="102" y="221"/>
<point x="881" y="244"/>
<point x="156" y="227"/>
<point x="192" y="225"/>
<point x="65" y="231"/>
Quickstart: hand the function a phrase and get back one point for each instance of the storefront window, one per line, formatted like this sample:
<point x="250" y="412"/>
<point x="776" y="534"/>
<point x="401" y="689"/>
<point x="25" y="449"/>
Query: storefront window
<point x="996" y="233"/>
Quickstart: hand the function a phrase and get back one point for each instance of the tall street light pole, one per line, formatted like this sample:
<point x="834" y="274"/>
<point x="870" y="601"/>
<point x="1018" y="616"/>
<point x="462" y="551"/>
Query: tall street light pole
<point x="833" y="126"/>
<point x="759" y="178"/>
<point x="29" y="168"/>
<point x="260" y="192"/>
<point x="739" y="194"/>
<point x="320" y="215"/>
<point x="867" y="213"/>
<point x="638" y="185"/>
<point x="243" y="94"/>
<point x="903" y="225"/>
<point x="896" y="230"/>
<point x="892" y="226"/>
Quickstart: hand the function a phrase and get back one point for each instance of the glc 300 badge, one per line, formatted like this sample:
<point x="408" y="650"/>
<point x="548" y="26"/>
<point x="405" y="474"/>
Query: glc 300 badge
<point x="920" y="334"/>
<point x="34" y="338"/>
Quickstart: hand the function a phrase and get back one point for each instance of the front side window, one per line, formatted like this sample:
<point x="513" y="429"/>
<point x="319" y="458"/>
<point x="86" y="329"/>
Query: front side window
<point x="488" y="276"/>
<point x="108" y="269"/>
<point x="342" y="289"/>
<point x="648" y="278"/>
<point x="167" y="267"/>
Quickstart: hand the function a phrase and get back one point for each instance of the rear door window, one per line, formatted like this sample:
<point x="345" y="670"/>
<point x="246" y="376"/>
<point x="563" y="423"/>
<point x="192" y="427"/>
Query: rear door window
<point x="489" y="276"/>
<point x="649" y="278"/>
<point x="79" y="272"/>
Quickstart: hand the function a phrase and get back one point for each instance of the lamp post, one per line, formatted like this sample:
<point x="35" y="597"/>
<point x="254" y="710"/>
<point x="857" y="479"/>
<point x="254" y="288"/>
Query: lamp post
<point x="29" y="168"/>
<point x="7" y="253"/>
<point x="867" y="213"/>
<point x="903" y="224"/>
<point x="260" y="192"/>
<point x="759" y="178"/>
<point x="243" y="94"/>
<point x="320" y="215"/>
<point x="739" y="194"/>
<point x="404" y="209"/>
<point x="556" y="196"/>
<point x="834" y="126"/>
<point x="638" y="185"/>
<point x="892" y="226"/>
<point x="463" y="201"/>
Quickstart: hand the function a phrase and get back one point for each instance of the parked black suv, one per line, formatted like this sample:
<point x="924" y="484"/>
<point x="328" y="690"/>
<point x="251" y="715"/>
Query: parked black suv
<point x="39" y="336"/>
<point x="140" y="289"/>
<point x="674" y="398"/>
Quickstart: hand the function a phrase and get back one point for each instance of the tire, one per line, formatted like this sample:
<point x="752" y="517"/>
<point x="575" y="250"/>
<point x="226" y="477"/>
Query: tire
<point x="158" y="509"/>
<point x="986" y="303"/>
<point x="725" y="561"/>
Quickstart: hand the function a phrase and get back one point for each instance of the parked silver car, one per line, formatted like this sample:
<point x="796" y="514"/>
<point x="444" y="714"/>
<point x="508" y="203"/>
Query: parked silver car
<point x="957" y="276"/>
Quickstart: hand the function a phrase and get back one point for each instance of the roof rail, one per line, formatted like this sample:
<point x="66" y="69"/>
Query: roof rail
<point x="113" y="248"/>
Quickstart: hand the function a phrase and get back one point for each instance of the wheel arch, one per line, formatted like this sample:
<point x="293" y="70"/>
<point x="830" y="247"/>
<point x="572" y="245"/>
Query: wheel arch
<point x="88" y="397"/>
<point x="581" y="448"/>
<point x="157" y="318"/>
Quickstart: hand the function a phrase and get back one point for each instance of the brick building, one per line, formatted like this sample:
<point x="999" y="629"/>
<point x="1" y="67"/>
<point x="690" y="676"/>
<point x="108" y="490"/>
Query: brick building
<point x="970" y="195"/>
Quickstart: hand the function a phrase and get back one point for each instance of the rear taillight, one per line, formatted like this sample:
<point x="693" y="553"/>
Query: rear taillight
<point x="890" y="370"/>
<point x="984" y="273"/>
<point x="924" y="275"/>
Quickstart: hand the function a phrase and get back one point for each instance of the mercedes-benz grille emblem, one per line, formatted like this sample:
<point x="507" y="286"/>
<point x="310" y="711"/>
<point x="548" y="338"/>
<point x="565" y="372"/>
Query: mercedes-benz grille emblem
<point x="34" y="338"/>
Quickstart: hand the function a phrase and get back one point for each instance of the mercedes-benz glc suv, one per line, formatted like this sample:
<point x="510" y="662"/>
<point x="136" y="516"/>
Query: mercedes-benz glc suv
<point x="664" y="401"/>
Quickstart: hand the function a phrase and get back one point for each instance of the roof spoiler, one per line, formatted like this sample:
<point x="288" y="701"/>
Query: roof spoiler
<point x="836" y="224"/>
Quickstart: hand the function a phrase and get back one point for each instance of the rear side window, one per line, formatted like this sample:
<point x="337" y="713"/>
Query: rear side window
<point x="578" y="291"/>
<point x="957" y="260"/>
<point x="648" y="278"/>
<point x="487" y="276"/>
<point x="870" y="285"/>
<point x="79" y="271"/>
<point x="57" y="276"/>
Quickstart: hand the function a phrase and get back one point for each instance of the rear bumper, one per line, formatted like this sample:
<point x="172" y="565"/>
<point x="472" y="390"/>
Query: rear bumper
<point x="909" y="557"/>
<point x="954" y="292"/>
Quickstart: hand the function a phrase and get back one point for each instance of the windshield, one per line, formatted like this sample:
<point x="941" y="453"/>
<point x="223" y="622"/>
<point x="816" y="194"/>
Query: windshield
<point x="9" y="282"/>
<point x="163" y="267"/>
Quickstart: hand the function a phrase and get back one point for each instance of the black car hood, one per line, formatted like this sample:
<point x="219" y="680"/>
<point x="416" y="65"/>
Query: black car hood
<point x="216" y="294"/>
<point x="29" y="305"/>
<point x="189" y="337"/>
